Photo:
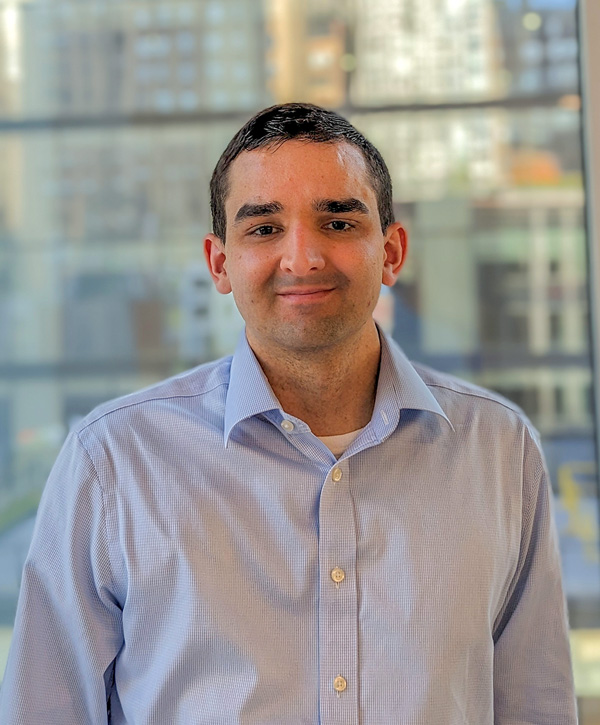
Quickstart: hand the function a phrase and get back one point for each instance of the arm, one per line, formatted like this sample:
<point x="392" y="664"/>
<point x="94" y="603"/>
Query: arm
<point x="533" y="683"/>
<point x="68" y="626"/>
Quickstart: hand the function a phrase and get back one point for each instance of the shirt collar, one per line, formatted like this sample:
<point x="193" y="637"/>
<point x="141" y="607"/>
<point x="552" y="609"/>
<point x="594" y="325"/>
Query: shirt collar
<point x="249" y="392"/>
<point x="399" y="387"/>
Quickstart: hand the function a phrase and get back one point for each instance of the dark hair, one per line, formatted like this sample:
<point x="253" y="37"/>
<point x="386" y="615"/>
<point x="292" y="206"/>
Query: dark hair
<point x="278" y="124"/>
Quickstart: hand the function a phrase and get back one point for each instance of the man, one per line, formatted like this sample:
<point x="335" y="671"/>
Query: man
<point x="311" y="531"/>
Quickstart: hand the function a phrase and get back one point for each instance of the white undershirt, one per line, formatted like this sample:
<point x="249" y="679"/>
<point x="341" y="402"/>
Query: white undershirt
<point x="338" y="444"/>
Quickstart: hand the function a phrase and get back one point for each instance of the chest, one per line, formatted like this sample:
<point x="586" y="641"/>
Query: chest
<point x="402" y="526"/>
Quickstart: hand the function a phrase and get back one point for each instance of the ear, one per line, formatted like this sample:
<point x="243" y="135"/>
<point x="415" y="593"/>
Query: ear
<point x="395" y="249"/>
<point x="214" y="251"/>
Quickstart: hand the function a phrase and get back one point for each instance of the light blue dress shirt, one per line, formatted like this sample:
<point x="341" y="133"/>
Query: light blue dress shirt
<point x="200" y="556"/>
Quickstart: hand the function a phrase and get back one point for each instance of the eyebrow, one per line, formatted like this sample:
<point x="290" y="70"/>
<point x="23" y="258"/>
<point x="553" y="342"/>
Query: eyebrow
<point x="341" y="206"/>
<point x="253" y="210"/>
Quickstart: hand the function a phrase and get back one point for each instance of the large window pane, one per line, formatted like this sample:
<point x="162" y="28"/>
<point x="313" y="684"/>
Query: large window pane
<point x="112" y="115"/>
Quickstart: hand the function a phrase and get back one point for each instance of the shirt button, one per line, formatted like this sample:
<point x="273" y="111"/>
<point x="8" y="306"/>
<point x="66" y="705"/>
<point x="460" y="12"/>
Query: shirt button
<point x="339" y="684"/>
<point x="337" y="474"/>
<point x="338" y="575"/>
<point x="287" y="425"/>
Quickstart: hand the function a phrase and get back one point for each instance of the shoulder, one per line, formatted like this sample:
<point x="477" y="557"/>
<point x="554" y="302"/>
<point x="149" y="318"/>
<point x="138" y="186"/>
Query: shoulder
<point x="488" y="424"/>
<point x="466" y="403"/>
<point x="204" y="385"/>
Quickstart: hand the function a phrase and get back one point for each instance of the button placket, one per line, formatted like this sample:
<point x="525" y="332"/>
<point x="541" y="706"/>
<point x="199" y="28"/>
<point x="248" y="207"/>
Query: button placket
<point x="338" y="602"/>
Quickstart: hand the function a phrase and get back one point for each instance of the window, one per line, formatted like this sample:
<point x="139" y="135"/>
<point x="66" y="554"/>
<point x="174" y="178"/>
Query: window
<point x="111" y="123"/>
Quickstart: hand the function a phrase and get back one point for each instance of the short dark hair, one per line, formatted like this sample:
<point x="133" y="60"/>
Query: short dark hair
<point x="274" y="126"/>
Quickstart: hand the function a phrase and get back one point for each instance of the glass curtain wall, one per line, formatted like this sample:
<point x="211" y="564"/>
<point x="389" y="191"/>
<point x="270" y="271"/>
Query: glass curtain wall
<point x="112" y="116"/>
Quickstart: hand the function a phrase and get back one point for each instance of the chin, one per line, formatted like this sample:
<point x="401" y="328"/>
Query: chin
<point x="315" y="337"/>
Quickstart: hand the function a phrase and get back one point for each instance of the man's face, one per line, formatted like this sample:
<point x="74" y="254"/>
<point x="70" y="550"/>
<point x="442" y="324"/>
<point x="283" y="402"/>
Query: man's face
<point x="305" y="255"/>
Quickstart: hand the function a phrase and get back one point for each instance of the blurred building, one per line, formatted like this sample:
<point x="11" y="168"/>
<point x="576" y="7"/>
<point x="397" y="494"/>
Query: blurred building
<point x="502" y="298"/>
<point x="123" y="192"/>
<point x="177" y="57"/>
<point x="540" y="48"/>
<point x="307" y="51"/>
<point x="432" y="155"/>
<point x="425" y="51"/>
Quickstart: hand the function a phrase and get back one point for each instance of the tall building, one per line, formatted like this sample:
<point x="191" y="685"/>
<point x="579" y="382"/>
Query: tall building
<point x="306" y="51"/>
<point x="104" y="199"/>
<point x="165" y="57"/>
<point x="417" y="51"/>
<point x="501" y="292"/>
<point x="540" y="48"/>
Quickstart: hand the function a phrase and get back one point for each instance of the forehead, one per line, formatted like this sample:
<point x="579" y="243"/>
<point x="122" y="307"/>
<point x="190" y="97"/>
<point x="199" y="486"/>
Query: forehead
<point x="299" y="168"/>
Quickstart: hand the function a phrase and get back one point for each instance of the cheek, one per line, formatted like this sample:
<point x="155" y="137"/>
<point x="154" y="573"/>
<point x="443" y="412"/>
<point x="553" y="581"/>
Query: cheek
<point x="372" y="266"/>
<point x="374" y="278"/>
<point x="247" y="274"/>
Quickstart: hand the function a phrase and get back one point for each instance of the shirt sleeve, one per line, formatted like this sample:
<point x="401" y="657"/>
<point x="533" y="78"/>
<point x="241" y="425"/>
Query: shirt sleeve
<point x="68" y="624"/>
<point x="533" y="681"/>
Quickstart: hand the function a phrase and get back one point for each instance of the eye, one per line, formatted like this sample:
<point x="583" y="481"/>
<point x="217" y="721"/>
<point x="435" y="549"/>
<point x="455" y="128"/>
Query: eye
<point x="340" y="226"/>
<point x="263" y="231"/>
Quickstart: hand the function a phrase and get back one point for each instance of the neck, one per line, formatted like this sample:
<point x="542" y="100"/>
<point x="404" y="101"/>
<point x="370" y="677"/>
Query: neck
<point x="332" y="390"/>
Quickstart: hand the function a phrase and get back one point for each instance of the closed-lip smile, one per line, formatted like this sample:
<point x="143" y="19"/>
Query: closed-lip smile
<point x="304" y="291"/>
<point x="305" y="295"/>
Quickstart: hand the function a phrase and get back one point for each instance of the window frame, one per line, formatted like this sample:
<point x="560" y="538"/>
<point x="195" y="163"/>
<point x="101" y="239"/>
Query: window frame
<point x="588" y="16"/>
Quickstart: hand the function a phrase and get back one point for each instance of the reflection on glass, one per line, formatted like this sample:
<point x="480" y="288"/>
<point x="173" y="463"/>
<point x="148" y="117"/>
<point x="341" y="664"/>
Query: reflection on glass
<point x="112" y="116"/>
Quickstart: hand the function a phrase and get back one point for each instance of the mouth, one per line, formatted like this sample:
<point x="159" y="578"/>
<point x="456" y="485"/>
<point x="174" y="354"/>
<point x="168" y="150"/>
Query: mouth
<point x="305" y="295"/>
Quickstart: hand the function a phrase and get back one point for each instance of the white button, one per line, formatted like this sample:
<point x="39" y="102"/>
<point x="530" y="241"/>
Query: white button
<point x="338" y="575"/>
<point x="339" y="684"/>
<point x="287" y="425"/>
<point x="336" y="474"/>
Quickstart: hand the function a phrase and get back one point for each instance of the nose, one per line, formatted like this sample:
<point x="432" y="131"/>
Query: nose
<point x="302" y="251"/>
